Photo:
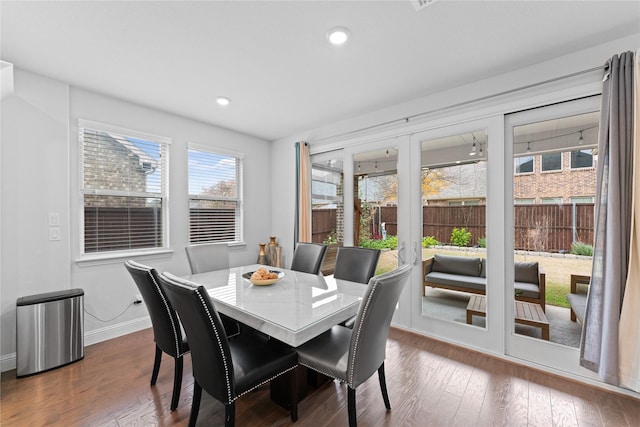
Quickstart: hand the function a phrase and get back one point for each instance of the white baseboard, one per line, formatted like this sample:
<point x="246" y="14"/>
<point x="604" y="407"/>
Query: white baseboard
<point x="114" y="331"/>
<point x="8" y="361"/>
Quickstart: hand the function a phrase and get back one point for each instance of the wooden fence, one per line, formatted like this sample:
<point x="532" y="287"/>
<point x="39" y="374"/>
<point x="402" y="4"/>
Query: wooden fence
<point x="548" y="228"/>
<point x="323" y="224"/>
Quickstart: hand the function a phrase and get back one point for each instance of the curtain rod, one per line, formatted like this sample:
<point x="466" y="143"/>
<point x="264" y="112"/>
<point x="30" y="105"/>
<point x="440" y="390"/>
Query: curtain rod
<point x="463" y="103"/>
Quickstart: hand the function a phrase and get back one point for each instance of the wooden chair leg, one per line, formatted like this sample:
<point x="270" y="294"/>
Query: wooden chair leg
<point x="383" y="387"/>
<point x="351" y="404"/>
<point x="195" y="404"/>
<point x="156" y="366"/>
<point x="177" y="382"/>
<point x="230" y="414"/>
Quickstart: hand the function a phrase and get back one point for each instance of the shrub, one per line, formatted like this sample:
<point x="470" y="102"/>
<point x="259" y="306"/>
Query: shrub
<point x="331" y="238"/>
<point x="428" y="241"/>
<point x="391" y="242"/>
<point x="460" y="237"/>
<point x="579" y="248"/>
<point x="482" y="242"/>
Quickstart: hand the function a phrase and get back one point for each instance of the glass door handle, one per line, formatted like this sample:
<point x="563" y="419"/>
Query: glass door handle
<point x="401" y="257"/>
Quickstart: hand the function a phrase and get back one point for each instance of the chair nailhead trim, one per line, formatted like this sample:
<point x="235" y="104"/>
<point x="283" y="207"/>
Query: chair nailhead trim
<point x="263" y="382"/>
<point x="224" y="359"/>
<point x="322" y="372"/>
<point x="352" y="362"/>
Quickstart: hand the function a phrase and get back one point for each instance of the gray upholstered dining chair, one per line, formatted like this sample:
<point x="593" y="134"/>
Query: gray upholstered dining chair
<point x="356" y="265"/>
<point x="225" y="369"/>
<point x="211" y="257"/>
<point x="353" y="355"/>
<point x="208" y="257"/>
<point x="308" y="257"/>
<point x="166" y="327"/>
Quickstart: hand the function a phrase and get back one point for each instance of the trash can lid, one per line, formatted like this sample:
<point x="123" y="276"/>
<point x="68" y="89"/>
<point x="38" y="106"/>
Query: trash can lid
<point x="49" y="297"/>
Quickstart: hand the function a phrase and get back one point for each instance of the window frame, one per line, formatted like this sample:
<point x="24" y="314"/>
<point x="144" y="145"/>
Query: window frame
<point x="524" y="201"/>
<point x="533" y="165"/>
<point x="581" y="199"/>
<point x="164" y="146"/>
<point x="557" y="200"/>
<point x="571" y="167"/>
<point x="238" y="199"/>
<point x="542" y="157"/>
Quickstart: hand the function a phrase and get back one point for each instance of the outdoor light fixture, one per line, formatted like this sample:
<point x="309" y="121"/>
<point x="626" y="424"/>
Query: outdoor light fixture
<point x="338" y="35"/>
<point x="528" y="147"/>
<point x="473" y="147"/>
<point x="581" y="139"/>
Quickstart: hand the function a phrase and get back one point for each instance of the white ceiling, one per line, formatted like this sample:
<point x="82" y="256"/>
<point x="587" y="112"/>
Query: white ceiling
<point x="272" y="58"/>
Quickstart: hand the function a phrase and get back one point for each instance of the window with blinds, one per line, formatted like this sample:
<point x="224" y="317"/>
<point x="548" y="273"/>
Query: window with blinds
<point x="215" y="196"/>
<point x="123" y="188"/>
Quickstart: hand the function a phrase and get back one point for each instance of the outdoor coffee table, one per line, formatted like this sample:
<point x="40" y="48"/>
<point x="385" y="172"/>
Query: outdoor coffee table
<point x="526" y="313"/>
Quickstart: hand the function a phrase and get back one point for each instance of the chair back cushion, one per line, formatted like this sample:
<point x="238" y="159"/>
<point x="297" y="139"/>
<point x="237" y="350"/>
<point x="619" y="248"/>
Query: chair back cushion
<point x="308" y="257"/>
<point x="166" y="326"/>
<point x="457" y="265"/>
<point x="210" y="354"/>
<point x="526" y="272"/>
<point x="371" y="328"/>
<point x="208" y="257"/>
<point x="356" y="264"/>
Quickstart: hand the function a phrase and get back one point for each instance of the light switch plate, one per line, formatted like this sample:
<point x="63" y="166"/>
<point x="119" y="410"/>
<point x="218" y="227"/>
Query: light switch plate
<point x="54" y="219"/>
<point x="54" y="233"/>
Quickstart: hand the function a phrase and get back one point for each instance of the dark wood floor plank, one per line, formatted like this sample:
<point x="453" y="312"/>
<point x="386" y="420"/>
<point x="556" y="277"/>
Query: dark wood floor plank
<point x="430" y="383"/>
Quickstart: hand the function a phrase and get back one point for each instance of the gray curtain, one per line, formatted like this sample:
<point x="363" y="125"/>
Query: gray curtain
<point x="599" y="344"/>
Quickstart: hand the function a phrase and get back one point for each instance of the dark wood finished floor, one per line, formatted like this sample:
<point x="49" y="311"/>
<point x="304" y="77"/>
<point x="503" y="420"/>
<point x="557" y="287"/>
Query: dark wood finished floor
<point x="430" y="384"/>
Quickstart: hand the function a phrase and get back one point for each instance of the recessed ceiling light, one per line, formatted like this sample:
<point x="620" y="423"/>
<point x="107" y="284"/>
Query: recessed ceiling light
<point x="338" y="35"/>
<point x="223" y="101"/>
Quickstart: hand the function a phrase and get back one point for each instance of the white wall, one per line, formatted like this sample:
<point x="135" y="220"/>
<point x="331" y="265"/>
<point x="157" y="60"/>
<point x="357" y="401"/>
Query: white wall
<point x="35" y="170"/>
<point x="40" y="175"/>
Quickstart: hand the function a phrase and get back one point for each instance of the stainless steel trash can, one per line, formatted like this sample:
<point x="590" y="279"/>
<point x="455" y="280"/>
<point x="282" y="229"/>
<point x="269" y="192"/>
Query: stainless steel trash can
<point x="50" y="331"/>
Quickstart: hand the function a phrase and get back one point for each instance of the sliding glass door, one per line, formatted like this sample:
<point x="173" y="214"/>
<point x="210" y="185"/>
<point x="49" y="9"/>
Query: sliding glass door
<point x="327" y="204"/>
<point x="554" y="154"/>
<point x="457" y="292"/>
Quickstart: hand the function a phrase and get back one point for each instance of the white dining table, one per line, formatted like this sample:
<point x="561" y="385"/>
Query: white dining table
<point x="295" y="309"/>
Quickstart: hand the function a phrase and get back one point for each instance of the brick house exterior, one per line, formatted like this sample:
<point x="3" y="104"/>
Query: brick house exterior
<point x="117" y="165"/>
<point x="467" y="184"/>
<point x="565" y="184"/>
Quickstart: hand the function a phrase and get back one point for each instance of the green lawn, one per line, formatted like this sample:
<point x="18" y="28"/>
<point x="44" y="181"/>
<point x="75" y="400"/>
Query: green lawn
<point x="558" y="269"/>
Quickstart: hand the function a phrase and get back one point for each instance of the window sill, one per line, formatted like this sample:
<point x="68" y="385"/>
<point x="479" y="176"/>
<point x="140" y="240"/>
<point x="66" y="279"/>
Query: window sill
<point x="119" y="257"/>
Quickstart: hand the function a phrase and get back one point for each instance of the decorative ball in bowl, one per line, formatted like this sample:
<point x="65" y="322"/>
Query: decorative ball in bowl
<point x="262" y="276"/>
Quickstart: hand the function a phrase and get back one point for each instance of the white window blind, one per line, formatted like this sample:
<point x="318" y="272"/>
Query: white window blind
<point x="215" y="196"/>
<point x="123" y="188"/>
